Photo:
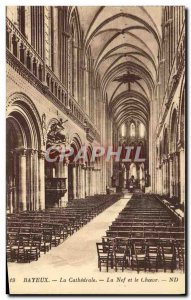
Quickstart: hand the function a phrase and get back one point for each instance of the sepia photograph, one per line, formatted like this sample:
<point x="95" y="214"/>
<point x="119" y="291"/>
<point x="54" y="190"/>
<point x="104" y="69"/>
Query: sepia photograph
<point x="95" y="150"/>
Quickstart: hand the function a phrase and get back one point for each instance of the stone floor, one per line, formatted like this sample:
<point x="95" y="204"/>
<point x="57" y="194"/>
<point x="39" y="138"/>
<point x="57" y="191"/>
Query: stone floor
<point x="72" y="266"/>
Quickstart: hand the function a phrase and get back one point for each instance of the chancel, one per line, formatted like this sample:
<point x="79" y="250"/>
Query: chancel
<point x="84" y="77"/>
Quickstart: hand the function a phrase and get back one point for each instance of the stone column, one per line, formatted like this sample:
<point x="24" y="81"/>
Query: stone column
<point x="171" y="174"/>
<point x="174" y="175"/>
<point x="15" y="196"/>
<point x="9" y="41"/>
<point x="31" y="179"/>
<point x="163" y="172"/>
<point x="9" y="184"/>
<point x="99" y="180"/>
<point x="64" y="199"/>
<point x="22" y="181"/>
<point x="177" y="175"/>
<point x="96" y="181"/>
<point x="182" y="174"/>
<point x="28" y="23"/>
<point x="93" y="182"/>
<point x="57" y="170"/>
<point x="167" y="176"/>
<point x="75" y="79"/>
<point x="16" y="41"/>
<point x="157" y="182"/>
<point x="90" y="181"/>
<point x="157" y="179"/>
<point x="87" y="181"/>
<point x="74" y="180"/>
<point x="55" y="26"/>
<point x="77" y="181"/>
<point x="161" y="179"/>
<point x="36" y="181"/>
<point x="82" y="181"/>
<point x="41" y="177"/>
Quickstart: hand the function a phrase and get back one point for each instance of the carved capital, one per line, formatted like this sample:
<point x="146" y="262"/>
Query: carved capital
<point x="31" y="152"/>
<point x="170" y="156"/>
<point x="180" y="146"/>
<point x="22" y="152"/>
<point x="66" y="161"/>
<point x="41" y="154"/>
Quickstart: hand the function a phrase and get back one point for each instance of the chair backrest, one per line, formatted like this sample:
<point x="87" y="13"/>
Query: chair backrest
<point x="104" y="248"/>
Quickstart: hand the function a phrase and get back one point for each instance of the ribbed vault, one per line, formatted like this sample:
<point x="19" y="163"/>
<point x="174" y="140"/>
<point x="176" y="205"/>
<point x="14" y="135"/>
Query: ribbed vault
<point x="124" y="40"/>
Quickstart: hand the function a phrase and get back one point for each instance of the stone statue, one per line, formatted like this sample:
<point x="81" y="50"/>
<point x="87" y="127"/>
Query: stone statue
<point x="56" y="134"/>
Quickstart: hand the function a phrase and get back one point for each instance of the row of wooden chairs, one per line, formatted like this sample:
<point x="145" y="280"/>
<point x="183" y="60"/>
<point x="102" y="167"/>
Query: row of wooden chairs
<point x="147" y="256"/>
<point x="145" y="235"/>
<point x="31" y="232"/>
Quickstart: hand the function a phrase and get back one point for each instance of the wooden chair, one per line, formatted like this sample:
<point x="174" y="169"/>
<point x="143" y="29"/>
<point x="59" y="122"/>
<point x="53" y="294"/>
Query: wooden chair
<point x="154" y="257"/>
<point x="105" y="255"/>
<point x="168" y="256"/>
<point x="34" y="253"/>
<point x="46" y="242"/>
<point x="180" y="255"/>
<point x="138" y="257"/>
<point x="121" y="254"/>
<point x="56" y="237"/>
<point x="21" y="254"/>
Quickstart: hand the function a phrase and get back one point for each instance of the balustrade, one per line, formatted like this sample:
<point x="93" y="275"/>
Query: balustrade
<point x="21" y="49"/>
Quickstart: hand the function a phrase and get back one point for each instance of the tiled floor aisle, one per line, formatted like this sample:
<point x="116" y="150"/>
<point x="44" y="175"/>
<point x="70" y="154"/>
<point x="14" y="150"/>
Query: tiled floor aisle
<point x="75" y="257"/>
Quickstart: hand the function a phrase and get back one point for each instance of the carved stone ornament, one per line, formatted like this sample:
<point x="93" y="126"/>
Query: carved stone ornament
<point x="56" y="133"/>
<point x="44" y="129"/>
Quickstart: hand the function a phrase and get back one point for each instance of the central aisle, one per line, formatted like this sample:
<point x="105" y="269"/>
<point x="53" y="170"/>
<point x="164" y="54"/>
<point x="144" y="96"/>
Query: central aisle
<point x="71" y="268"/>
<point x="74" y="254"/>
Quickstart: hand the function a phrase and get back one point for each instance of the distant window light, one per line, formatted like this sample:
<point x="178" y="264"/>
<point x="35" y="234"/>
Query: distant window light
<point x="123" y="130"/>
<point x="132" y="130"/>
<point x="142" y="130"/>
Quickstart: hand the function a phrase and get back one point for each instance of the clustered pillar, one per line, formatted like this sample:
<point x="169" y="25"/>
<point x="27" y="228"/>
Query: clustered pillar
<point x="26" y="188"/>
<point x="86" y="181"/>
<point x="171" y="176"/>
<point x="22" y="181"/>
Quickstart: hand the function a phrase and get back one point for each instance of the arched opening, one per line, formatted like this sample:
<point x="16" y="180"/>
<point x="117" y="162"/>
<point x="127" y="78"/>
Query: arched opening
<point x="74" y="58"/>
<point x="132" y="129"/>
<point x="15" y="141"/>
<point x="25" y="163"/>
<point x="123" y="130"/>
<point x="141" y="130"/>
<point x="166" y="167"/>
<point x="175" y="176"/>
<point x="181" y="149"/>
<point x="133" y="171"/>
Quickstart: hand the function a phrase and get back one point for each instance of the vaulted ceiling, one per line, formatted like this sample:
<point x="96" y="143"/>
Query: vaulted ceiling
<point x="125" y="43"/>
